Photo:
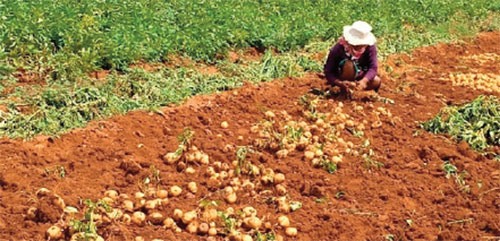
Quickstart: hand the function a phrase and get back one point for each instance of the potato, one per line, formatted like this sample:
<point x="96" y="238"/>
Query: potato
<point x="284" y="207"/>
<point x="115" y="214"/>
<point x="139" y="238"/>
<point x="253" y="222"/>
<point x="155" y="218"/>
<point x="178" y="214"/>
<point x="193" y="187"/>
<point x="58" y="201"/>
<point x="42" y="192"/>
<point x="151" y="192"/>
<point x="282" y="154"/>
<point x="162" y="193"/>
<point x="31" y="213"/>
<point x="205" y="159"/>
<point x="250" y="212"/>
<point x="279" y="178"/>
<point x="269" y="114"/>
<point x="291" y="231"/>
<point x="318" y="153"/>
<point x="175" y="191"/>
<point x="126" y="219"/>
<point x="108" y="200"/>
<point x="197" y="156"/>
<point x="203" y="228"/>
<point x="210" y="214"/>
<point x="171" y="158"/>
<point x="309" y="155"/>
<point x="247" y="237"/>
<point x="151" y="204"/>
<point x="192" y="227"/>
<point x="190" y="170"/>
<point x="54" y="233"/>
<point x="283" y="221"/>
<point x="224" y="125"/>
<point x="212" y="231"/>
<point x="139" y="195"/>
<point x="281" y="190"/>
<point x="169" y="223"/>
<point x="138" y="218"/>
<point x="113" y="194"/>
<point x="189" y="217"/>
<point x="231" y="198"/>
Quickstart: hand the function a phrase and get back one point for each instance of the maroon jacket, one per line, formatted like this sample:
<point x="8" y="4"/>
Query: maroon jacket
<point x="367" y="62"/>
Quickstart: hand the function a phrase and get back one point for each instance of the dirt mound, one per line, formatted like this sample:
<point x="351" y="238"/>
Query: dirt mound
<point x="408" y="196"/>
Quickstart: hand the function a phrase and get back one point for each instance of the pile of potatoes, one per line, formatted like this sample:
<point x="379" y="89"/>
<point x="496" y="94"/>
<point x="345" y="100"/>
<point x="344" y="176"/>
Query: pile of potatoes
<point x="317" y="135"/>
<point x="483" y="82"/>
<point x="485" y="58"/>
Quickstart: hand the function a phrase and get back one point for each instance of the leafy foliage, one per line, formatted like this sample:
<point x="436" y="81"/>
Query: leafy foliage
<point x="477" y="122"/>
<point x="69" y="37"/>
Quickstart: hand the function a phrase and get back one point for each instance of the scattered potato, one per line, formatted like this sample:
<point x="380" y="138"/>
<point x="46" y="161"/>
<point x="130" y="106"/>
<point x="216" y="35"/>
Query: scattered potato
<point x="54" y="233"/>
<point x="175" y="191"/>
<point x="193" y="187"/>
<point x="192" y="227"/>
<point x="178" y="214"/>
<point x="281" y="190"/>
<point x="291" y="231"/>
<point x="203" y="228"/>
<point x="253" y="222"/>
<point x="190" y="170"/>
<point x="224" y="125"/>
<point x="58" y="201"/>
<point x="205" y="159"/>
<point x="284" y="221"/>
<point x="309" y="155"/>
<point x="247" y="237"/>
<point x="139" y="238"/>
<point x="279" y="178"/>
<point x="155" y="218"/>
<point x="113" y="194"/>
<point x="209" y="214"/>
<point x="250" y="211"/>
<point x="162" y="193"/>
<point x="189" y="216"/>
<point x="31" y="213"/>
<point x="151" y="204"/>
<point x="231" y="198"/>
<point x="212" y="232"/>
<point x="139" y="195"/>
<point x="138" y="218"/>
<point x="269" y="114"/>
<point x="171" y="158"/>
<point x="42" y="192"/>
<point x="126" y="219"/>
<point x="168" y="223"/>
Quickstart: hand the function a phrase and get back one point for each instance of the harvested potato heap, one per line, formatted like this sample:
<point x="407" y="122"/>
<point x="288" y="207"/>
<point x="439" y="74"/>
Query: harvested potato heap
<point x="222" y="212"/>
<point x="483" y="82"/>
<point x="316" y="134"/>
<point x="486" y="58"/>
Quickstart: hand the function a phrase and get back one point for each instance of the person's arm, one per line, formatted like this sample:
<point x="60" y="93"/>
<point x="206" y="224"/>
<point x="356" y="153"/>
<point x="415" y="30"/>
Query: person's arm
<point x="372" y="68"/>
<point x="332" y="65"/>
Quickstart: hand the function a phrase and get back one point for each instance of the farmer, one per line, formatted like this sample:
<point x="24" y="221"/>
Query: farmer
<point x="352" y="62"/>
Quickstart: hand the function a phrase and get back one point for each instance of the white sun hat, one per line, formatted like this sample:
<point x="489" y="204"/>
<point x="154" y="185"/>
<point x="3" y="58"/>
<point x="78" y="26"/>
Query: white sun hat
<point x="359" y="33"/>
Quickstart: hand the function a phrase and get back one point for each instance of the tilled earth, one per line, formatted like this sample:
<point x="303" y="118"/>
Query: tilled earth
<point x="399" y="190"/>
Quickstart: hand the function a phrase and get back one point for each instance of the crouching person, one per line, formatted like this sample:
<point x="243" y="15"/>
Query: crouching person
<point x="352" y="62"/>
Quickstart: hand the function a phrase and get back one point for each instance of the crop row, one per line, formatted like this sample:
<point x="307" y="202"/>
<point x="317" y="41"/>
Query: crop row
<point x="64" y="39"/>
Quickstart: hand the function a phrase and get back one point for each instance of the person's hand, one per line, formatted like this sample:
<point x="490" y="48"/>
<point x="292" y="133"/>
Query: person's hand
<point x="346" y="84"/>
<point x="362" y="84"/>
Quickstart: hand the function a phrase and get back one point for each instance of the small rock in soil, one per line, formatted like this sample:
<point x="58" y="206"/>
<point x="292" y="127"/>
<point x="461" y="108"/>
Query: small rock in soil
<point x="130" y="167"/>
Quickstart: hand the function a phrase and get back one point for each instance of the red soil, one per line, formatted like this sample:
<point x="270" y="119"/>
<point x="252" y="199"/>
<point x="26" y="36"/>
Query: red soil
<point x="116" y="153"/>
